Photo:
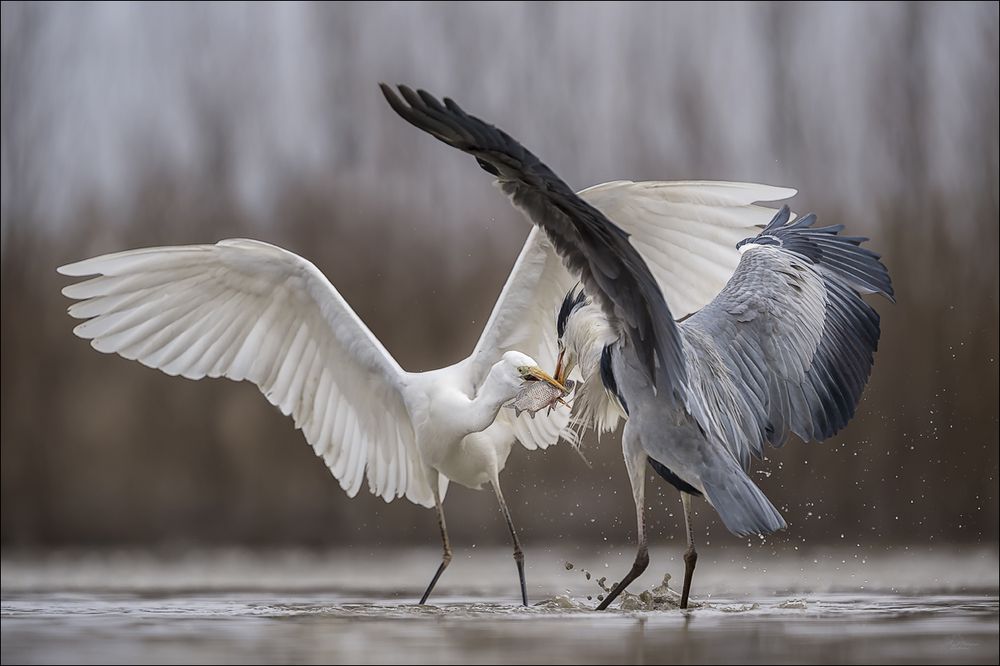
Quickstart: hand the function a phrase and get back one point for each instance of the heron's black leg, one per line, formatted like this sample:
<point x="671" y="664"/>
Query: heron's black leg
<point x="518" y="553"/>
<point x="690" y="555"/>
<point x="640" y="564"/>
<point x="446" y="557"/>
<point x="635" y="461"/>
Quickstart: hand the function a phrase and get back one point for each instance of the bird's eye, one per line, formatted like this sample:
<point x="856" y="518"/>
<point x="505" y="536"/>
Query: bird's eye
<point x="526" y="372"/>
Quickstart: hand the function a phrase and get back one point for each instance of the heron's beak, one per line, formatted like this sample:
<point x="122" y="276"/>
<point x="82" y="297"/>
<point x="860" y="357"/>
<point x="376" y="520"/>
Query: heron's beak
<point x="540" y="374"/>
<point x="564" y="366"/>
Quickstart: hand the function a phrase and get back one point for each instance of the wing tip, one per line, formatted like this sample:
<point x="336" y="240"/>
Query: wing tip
<point x="756" y="191"/>
<point x="389" y="93"/>
<point x="77" y="269"/>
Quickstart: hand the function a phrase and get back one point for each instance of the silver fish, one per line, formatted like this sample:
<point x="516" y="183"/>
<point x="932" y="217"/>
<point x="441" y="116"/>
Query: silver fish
<point x="536" y="396"/>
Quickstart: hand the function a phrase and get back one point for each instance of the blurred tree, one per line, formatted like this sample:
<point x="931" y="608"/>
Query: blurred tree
<point x="133" y="125"/>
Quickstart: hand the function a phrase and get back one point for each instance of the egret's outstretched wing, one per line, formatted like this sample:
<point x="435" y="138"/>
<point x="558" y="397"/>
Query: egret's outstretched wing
<point x="593" y="248"/>
<point x="523" y="319"/>
<point x="243" y="309"/>
<point x="687" y="231"/>
<point x="788" y="345"/>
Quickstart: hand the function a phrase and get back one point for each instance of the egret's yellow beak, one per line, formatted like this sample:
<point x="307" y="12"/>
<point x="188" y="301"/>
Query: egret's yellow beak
<point x="540" y="374"/>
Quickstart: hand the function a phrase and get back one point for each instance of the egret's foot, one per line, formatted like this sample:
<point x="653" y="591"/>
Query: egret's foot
<point x="445" y="561"/>
<point x="519" y="558"/>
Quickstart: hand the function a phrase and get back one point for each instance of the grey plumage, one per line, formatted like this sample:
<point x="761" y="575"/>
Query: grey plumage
<point x="789" y="340"/>
<point x="786" y="347"/>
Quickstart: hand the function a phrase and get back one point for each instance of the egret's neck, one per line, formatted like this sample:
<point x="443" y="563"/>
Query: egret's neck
<point x="492" y="394"/>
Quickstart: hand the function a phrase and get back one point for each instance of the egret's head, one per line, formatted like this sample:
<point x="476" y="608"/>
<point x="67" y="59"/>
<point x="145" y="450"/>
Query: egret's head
<point x="568" y="355"/>
<point x="521" y="367"/>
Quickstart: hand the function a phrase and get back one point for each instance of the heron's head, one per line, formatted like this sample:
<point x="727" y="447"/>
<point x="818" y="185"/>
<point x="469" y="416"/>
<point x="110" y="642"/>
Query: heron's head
<point x="519" y="368"/>
<point x="568" y="354"/>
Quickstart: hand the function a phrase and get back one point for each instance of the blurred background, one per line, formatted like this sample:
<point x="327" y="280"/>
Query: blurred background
<point x="127" y="125"/>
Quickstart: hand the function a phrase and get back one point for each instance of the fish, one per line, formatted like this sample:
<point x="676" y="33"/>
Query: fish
<point x="535" y="396"/>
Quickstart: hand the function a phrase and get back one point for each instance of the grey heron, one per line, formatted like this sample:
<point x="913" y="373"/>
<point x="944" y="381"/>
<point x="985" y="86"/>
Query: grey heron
<point x="247" y="310"/>
<point x="786" y="346"/>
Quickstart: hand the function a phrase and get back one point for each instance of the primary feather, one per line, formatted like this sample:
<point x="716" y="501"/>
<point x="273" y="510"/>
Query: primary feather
<point x="243" y="309"/>
<point x="592" y="248"/>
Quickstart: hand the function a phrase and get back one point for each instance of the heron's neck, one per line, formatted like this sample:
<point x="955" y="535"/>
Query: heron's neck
<point x="588" y="331"/>
<point x="588" y="336"/>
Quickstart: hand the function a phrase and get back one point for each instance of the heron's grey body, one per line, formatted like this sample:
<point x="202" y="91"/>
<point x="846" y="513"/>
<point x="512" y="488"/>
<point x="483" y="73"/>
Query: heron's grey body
<point x="786" y="347"/>
<point x="674" y="438"/>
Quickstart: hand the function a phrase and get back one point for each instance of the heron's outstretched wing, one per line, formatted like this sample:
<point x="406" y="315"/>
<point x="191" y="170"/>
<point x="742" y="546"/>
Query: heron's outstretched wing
<point x="593" y="248"/>
<point x="243" y="309"/>
<point x="788" y="345"/>
<point x="686" y="231"/>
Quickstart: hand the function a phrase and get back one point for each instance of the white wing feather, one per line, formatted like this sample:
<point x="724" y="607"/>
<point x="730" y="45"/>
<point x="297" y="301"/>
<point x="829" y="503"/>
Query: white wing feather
<point x="524" y="319"/>
<point x="687" y="231"/>
<point x="243" y="309"/>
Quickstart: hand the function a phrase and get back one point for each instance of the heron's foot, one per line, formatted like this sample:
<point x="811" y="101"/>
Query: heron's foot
<point x="690" y="560"/>
<point x="640" y="564"/>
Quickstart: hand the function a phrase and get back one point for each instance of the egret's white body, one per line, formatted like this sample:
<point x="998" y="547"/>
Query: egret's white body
<point x="459" y="437"/>
<point x="247" y="310"/>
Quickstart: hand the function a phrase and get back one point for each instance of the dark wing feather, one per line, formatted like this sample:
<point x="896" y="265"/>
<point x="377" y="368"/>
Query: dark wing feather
<point x="591" y="246"/>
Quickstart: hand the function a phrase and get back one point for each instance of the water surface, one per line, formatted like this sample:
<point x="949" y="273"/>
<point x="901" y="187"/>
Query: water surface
<point x="228" y="608"/>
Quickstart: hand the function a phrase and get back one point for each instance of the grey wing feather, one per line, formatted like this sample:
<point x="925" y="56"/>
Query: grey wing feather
<point x="788" y="345"/>
<point x="591" y="246"/>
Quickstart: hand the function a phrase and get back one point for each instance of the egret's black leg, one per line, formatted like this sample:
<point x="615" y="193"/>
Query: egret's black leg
<point x="446" y="557"/>
<point x="518" y="553"/>
<point x="635" y="460"/>
<point x="690" y="555"/>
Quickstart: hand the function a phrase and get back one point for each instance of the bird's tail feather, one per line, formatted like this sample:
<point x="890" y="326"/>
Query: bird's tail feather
<point x="740" y="503"/>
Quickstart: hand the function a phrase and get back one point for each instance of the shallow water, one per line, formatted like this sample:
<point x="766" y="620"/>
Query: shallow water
<point x="214" y="608"/>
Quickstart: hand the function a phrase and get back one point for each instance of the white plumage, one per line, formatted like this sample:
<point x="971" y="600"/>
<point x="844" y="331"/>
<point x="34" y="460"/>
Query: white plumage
<point x="687" y="231"/>
<point x="243" y="309"/>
